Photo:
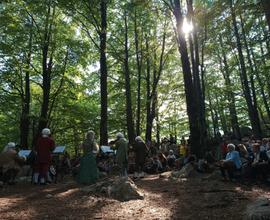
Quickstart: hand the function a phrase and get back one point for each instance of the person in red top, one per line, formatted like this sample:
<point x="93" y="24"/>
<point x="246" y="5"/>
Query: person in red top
<point x="45" y="146"/>
<point x="224" y="149"/>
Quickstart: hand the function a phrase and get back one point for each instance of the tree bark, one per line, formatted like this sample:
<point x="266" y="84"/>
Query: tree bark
<point x="46" y="68"/>
<point x="152" y="95"/>
<point x="148" y="93"/>
<point x="230" y="94"/>
<point x="253" y="116"/>
<point x="103" y="75"/>
<point x="129" y="115"/>
<point x="192" y="108"/>
<point x="25" y="115"/>
<point x="139" y="68"/>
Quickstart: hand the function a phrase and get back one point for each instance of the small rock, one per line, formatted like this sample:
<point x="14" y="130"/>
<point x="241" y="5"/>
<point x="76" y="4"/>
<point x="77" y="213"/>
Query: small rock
<point x="48" y="196"/>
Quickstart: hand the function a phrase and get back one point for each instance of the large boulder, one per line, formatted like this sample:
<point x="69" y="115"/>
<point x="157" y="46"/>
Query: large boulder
<point x="124" y="189"/>
<point x="120" y="188"/>
<point x="185" y="172"/>
<point x="259" y="209"/>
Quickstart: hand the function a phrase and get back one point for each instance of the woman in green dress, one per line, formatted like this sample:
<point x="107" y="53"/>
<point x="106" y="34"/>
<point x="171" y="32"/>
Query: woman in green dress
<point x="88" y="172"/>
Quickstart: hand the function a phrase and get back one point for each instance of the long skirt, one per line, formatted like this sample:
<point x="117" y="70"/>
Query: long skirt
<point x="88" y="173"/>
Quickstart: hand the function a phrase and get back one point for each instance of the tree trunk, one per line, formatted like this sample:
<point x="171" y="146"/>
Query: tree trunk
<point x="258" y="77"/>
<point x="253" y="117"/>
<point x="158" y="128"/>
<point x="189" y="88"/>
<point x="129" y="116"/>
<point x="25" y="116"/>
<point x="139" y="68"/>
<point x="230" y="94"/>
<point x="148" y="93"/>
<point x="103" y="75"/>
<point x="252" y="71"/>
<point x="151" y="104"/>
<point x="196" y="76"/>
<point x="46" y="69"/>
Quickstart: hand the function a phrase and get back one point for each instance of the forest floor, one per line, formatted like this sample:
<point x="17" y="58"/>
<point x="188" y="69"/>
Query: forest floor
<point x="193" y="198"/>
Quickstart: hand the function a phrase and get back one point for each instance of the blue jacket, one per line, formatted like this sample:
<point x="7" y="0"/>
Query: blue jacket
<point x="235" y="157"/>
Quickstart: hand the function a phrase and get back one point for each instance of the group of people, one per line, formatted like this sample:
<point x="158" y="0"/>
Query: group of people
<point x="11" y="162"/>
<point x="251" y="159"/>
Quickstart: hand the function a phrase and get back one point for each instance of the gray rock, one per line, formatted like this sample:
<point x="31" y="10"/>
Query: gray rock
<point x="120" y="188"/>
<point x="48" y="196"/>
<point x="124" y="189"/>
<point x="258" y="210"/>
<point x="185" y="172"/>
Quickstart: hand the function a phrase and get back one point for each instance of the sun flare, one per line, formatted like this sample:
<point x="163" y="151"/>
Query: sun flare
<point x="187" y="26"/>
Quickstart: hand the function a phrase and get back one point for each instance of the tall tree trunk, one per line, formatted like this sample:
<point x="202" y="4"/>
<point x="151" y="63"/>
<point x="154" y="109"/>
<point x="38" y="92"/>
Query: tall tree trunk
<point x="25" y="115"/>
<point x="129" y="116"/>
<point x="196" y="75"/>
<point x="139" y="68"/>
<point x="252" y="71"/>
<point x="103" y="75"/>
<point x="230" y="94"/>
<point x="253" y="117"/>
<point x="151" y="104"/>
<point x="258" y="77"/>
<point x="189" y="87"/>
<point x="158" y="128"/>
<point x="47" y="63"/>
<point x="148" y="93"/>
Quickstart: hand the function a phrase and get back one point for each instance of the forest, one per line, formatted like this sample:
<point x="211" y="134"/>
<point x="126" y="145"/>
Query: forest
<point x="155" y="68"/>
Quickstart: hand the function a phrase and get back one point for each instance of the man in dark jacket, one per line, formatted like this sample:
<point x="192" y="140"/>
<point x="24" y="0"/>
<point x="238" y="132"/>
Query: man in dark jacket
<point x="140" y="150"/>
<point x="45" y="146"/>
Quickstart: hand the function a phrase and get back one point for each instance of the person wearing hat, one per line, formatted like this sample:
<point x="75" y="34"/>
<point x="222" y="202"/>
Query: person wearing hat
<point x="121" y="158"/>
<point x="10" y="163"/>
<point x="141" y="151"/>
<point x="44" y="148"/>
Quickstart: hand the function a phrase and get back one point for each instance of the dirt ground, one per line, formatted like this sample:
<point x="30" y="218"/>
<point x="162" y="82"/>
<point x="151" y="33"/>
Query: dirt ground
<point x="192" y="198"/>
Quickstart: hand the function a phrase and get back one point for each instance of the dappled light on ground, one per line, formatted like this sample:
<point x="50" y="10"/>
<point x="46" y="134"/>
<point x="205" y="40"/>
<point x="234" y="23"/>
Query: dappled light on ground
<point x="193" y="198"/>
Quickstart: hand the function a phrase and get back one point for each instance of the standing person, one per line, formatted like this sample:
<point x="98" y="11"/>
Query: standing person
<point x="141" y="150"/>
<point x="121" y="145"/>
<point x="88" y="172"/>
<point x="45" y="146"/>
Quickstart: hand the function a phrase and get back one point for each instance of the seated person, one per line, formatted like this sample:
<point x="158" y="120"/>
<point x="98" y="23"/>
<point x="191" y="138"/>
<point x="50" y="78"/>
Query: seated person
<point x="171" y="159"/>
<point x="163" y="160"/>
<point x="10" y="164"/>
<point x="231" y="163"/>
<point x="260" y="163"/>
<point x="152" y="166"/>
